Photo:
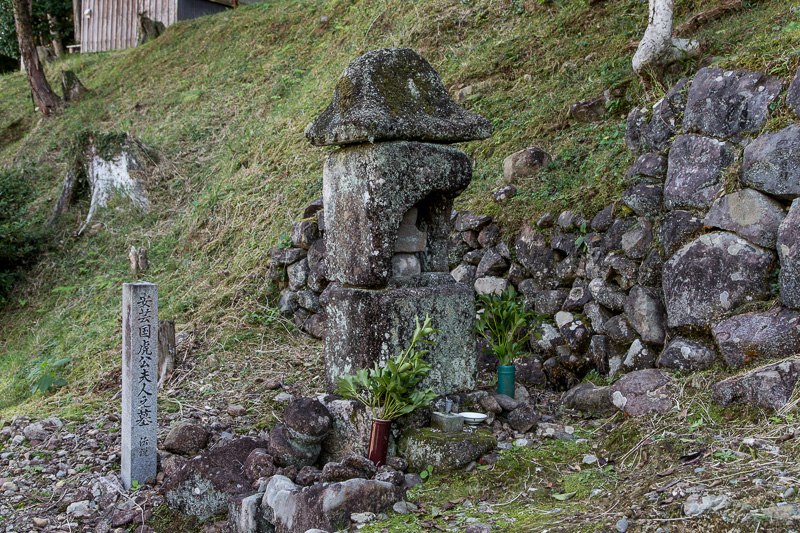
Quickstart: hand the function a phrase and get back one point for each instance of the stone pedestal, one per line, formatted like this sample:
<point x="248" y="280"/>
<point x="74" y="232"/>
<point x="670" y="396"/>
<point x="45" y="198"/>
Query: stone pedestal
<point x="365" y="326"/>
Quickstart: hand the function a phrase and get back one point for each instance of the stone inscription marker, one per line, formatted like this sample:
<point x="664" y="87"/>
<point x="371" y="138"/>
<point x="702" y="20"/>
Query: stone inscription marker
<point x="139" y="381"/>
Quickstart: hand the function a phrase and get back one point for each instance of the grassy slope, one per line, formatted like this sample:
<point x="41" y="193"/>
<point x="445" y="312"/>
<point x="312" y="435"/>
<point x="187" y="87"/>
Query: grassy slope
<point x="225" y="100"/>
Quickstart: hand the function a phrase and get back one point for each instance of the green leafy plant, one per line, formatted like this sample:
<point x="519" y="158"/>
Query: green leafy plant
<point x="580" y="242"/>
<point x="500" y="319"/>
<point x="44" y="375"/>
<point x="390" y="391"/>
<point x="425" y="474"/>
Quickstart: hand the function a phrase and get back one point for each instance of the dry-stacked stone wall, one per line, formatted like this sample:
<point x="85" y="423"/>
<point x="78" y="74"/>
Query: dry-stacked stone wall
<point x="698" y="262"/>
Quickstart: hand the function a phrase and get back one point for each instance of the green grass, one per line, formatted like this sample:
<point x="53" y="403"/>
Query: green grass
<point x="224" y="100"/>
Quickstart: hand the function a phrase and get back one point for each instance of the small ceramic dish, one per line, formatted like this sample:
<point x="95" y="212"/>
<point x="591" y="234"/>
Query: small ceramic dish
<point x="473" y="419"/>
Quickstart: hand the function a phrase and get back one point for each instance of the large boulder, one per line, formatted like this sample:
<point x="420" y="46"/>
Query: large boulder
<point x="325" y="506"/>
<point x="713" y="275"/>
<point x="202" y="486"/>
<point x="695" y="169"/>
<point x="297" y="442"/>
<point x="444" y="451"/>
<point x="789" y="254"/>
<point x="658" y="131"/>
<point x="749" y="214"/>
<point x="772" y="163"/>
<point x="770" y="386"/>
<point x="589" y="398"/>
<point x="724" y="103"/>
<point x="393" y="94"/>
<point x="642" y="392"/>
<point x="349" y="433"/>
<point x="750" y="337"/>
<point x="648" y="168"/>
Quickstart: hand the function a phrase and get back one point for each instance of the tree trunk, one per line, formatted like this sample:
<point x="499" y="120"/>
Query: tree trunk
<point x="55" y="35"/>
<point x="657" y="49"/>
<point x="77" y="18"/>
<point x="166" y="351"/>
<point x="49" y="102"/>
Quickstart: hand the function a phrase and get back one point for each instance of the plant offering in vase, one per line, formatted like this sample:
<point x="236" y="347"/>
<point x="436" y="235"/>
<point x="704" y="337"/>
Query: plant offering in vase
<point x="500" y="319"/>
<point x="389" y="391"/>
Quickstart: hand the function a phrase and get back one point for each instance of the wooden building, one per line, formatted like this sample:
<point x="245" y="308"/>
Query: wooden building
<point x="114" y="24"/>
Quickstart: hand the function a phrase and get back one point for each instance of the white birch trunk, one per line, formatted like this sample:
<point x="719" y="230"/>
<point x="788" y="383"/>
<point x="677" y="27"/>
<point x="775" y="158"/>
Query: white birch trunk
<point x="657" y="49"/>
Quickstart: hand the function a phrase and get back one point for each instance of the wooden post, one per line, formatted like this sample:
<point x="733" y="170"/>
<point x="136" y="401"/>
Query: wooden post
<point x="166" y="350"/>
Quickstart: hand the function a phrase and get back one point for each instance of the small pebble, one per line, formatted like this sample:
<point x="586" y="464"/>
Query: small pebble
<point x="622" y="525"/>
<point x="789" y="493"/>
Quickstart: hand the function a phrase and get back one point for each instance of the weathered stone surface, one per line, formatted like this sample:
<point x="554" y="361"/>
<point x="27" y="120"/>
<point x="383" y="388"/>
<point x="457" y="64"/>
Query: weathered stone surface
<point x="409" y="238"/>
<point x="315" y="326"/>
<point x="492" y="264"/>
<point x="648" y="167"/>
<point x="464" y="274"/>
<point x="602" y="220"/>
<point x="393" y="94"/>
<point x="288" y="451"/>
<point x="644" y="199"/>
<point x="686" y="354"/>
<point x="367" y="193"/>
<point x="633" y="129"/>
<point x="573" y="330"/>
<point x="325" y="506"/>
<point x="186" y="438"/>
<point x="489" y="236"/>
<point x="353" y="466"/>
<point x="770" y="386"/>
<point x="474" y="257"/>
<point x="202" y="485"/>
<point x="650" y="270"/>
<point x="667" y="114"/>
<point x="534" y="253"/>
<point x="490" y="285"/>
<point x="749" y="214"/>
<point x="308" y="300"/>
<point x="578" y="297"/>
<point x="602" y="352"/>
<point x="529" y="372"/>
<point x="349" y="433"/>
<point x="568" y="270"/>
<point x="467" y="221"/>
<point x="505" y="194"/>
<point x="789" y="253"/>
<point x="564" y="242"/>
<point x="612" y="238"/>
<point x="636" y="242"/>
<point x="308" y="475"/>
<point x="308" y="419"/>
<point x="305" y="233"/>
<point x="405" y="265"/>
<point x="558" y="376"/>
<point x="447" y="423"/>
<point x="444" y="451"/>
<point x="724" y="103"/>
<point x="550" y="302"/>
<point x="694" y="176"/>
<point x="750" y="337"/>
<point x="642" y="392"/>
<point x="607" y="294"/>
<point x="646" y="314"/>
<point x="524" y="418"/>
<point x="677" y="228"/>
<point x="793" y="94"/>
<point x="259" y="464"/>
<point x="298" y="274"/>
<point x="365" y="326"/>
<point x="597" y="315"/>
<point x="639" y="357"/>
<point x="619" y="329"/>
<point x="589" y="110"/>
<point x="589" y="398"/>
<point x="620" y="269"/>
<point x="713" y="275"/>
<point x="516" y="274"/>
<point x="568" y="220"/>
<point x="282" y="257"/>
<point x="245" y="515"/>
<point x="772" y="163"/>
<point x="524" y="164"/>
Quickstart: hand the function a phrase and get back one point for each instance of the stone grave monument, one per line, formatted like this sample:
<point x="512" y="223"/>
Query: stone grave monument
<point x="388" y="195"/>
<point x="139" y="382"/>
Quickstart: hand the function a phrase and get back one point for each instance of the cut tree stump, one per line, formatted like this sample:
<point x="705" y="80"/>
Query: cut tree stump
<point x="166" y="350"/>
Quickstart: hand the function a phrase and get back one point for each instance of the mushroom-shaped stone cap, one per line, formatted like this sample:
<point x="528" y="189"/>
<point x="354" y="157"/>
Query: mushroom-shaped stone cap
<point x="389" y="95"/>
